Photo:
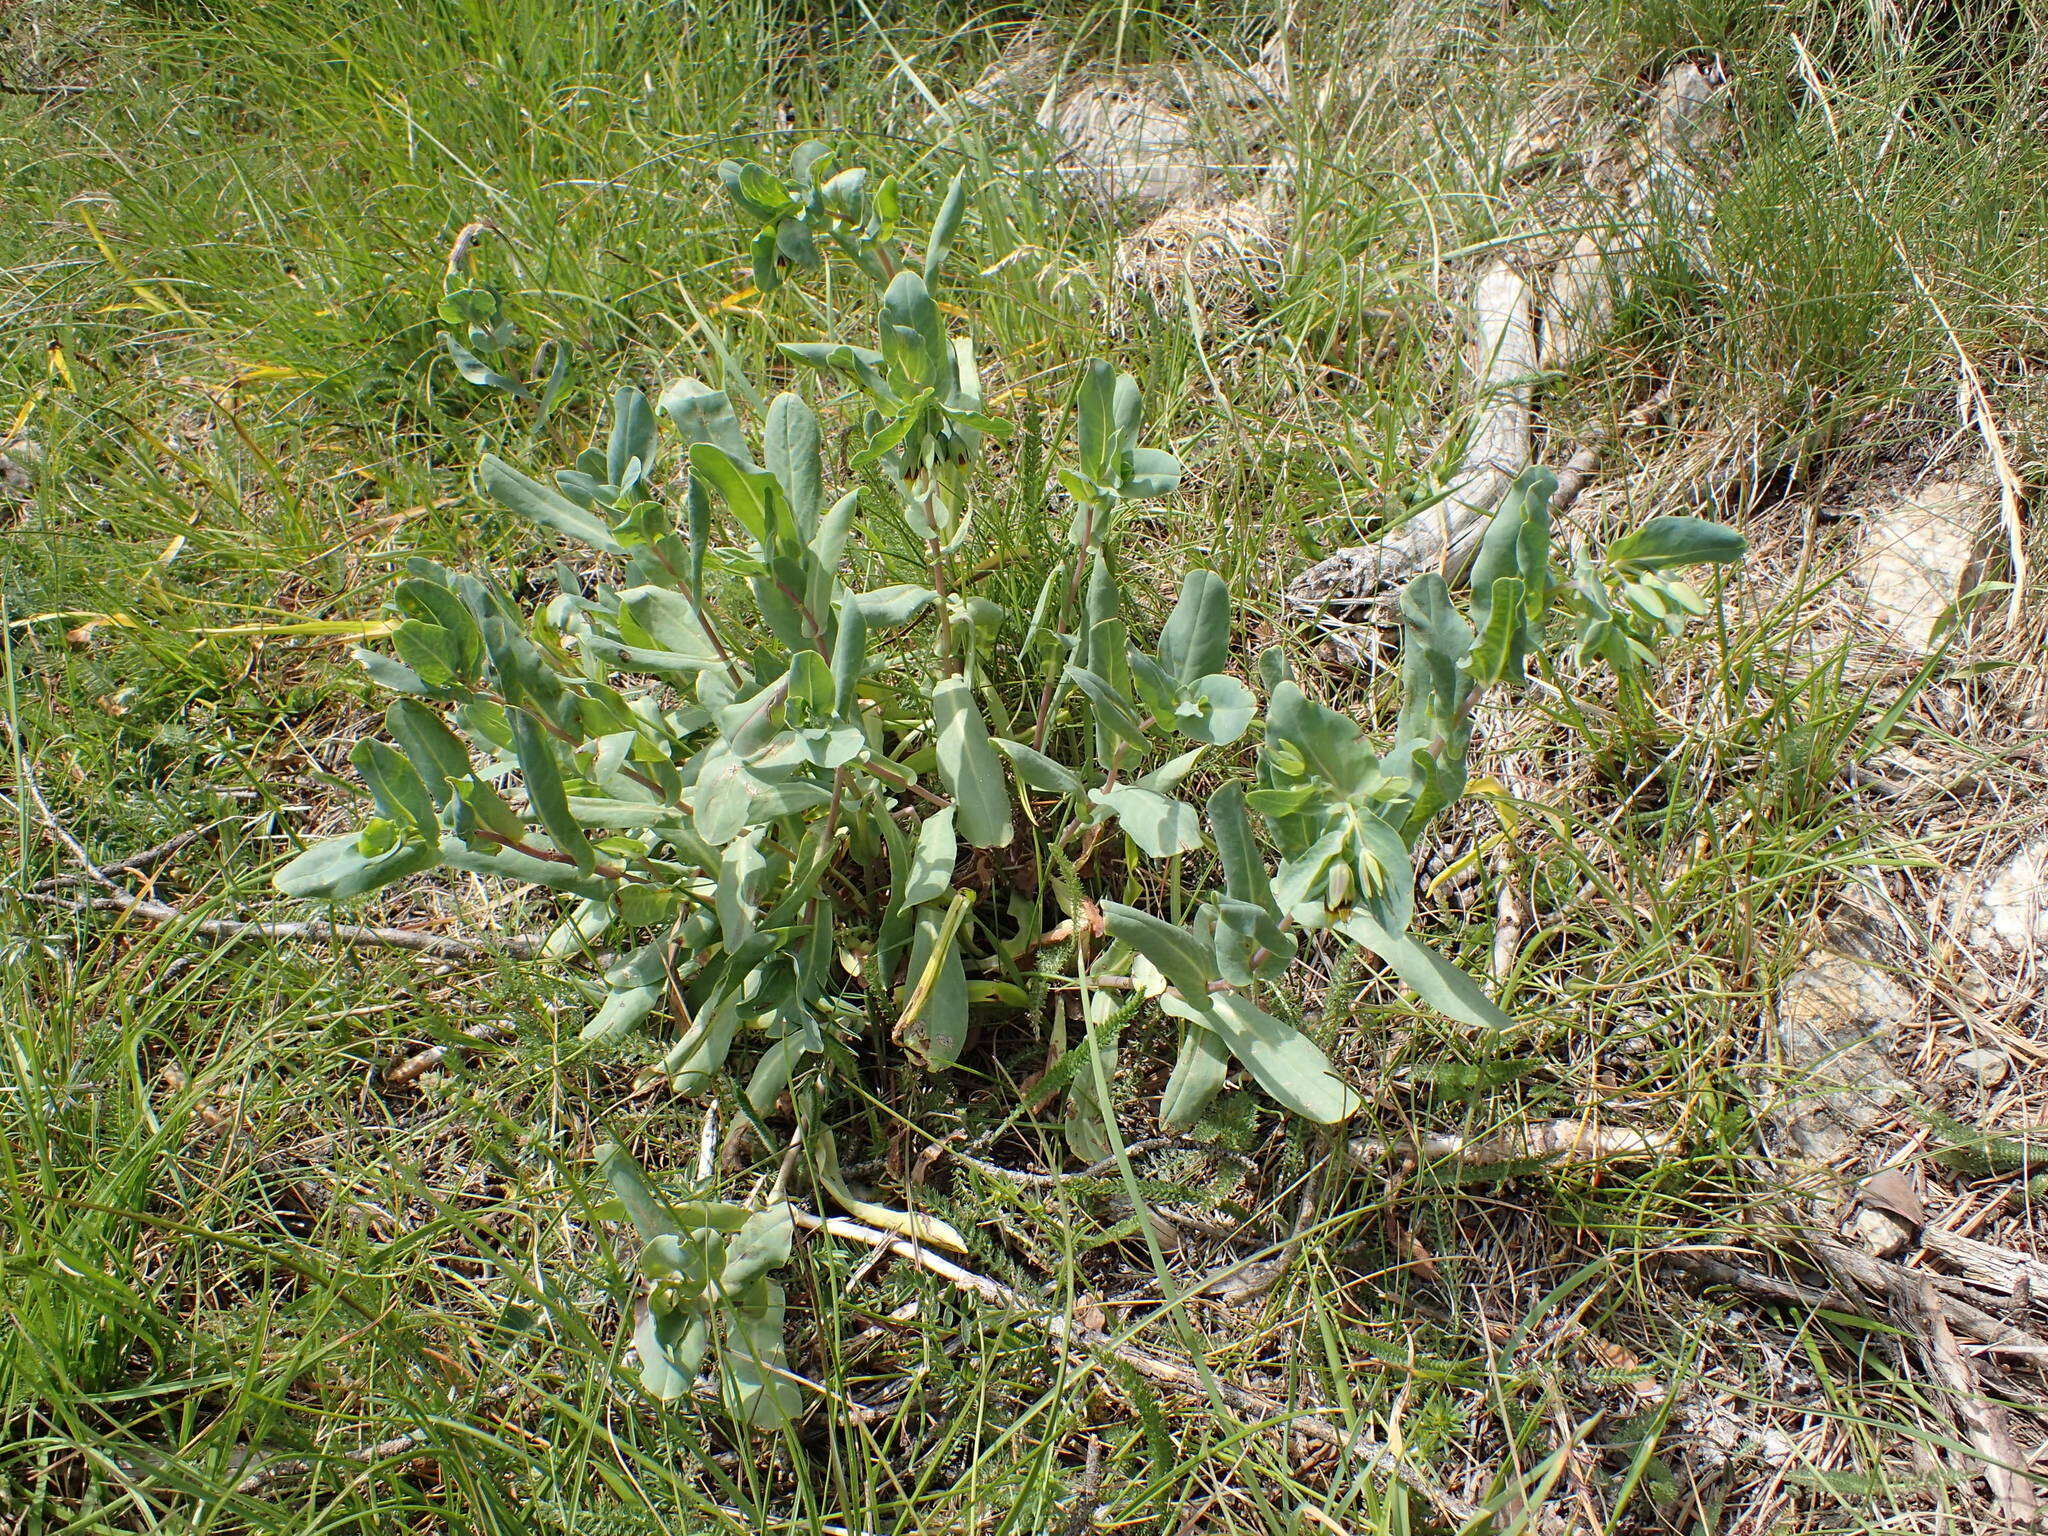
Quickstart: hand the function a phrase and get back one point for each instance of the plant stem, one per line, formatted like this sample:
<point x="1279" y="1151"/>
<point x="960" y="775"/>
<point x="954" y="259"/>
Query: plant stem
<point x="1074" y="577"/>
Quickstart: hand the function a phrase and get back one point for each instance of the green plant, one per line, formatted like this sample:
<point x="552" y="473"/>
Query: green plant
<point x="489" y="339"/>
<point x="816" y="202"/>
<point x="810" y="814"/>
<point x="706" y="1262"/>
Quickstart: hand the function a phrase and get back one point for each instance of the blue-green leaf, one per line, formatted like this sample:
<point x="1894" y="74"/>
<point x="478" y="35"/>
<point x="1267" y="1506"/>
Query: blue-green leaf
<point x="1198" y="1074"/>
<point x="1178" y="954"/>
<point x="1285" y="1062"/>
<point x="1666" y="542"/>
<point x="543" y="505"/>
<point x="931" y="866"/>
<point x="1244" y="868"/>
<point x="400" y="793"/>
<point x="671" y="1343"/>
<point x="705" y="415"/>
<point x="886" y="607"/>
<point x="339" y="868"/>
<point x="790" y="444"/>
<point x="914" y="334"/>
<point x="1435" y="980"/>
<point x="1037" y="771"/>
<point x="952" y="209"/>
<point x="939" y="1030"/>
<point x="1217" y="709"/>
<point x="1498" y="652"/>
<point x="535" y="750"/>
<point x="754" y="1378"/>
<point x="1160" y="825"/>
<point x="435" y="751"/>
<point x="632" y="436"/>
<point x="479" y="372"/>
<point x="648" y="1212"/>
<point x="1196" y="639"/>
<point x="969" y="766"/>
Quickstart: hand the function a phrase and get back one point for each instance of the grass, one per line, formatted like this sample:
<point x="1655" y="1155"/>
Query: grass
<point x="229" y="1239"/>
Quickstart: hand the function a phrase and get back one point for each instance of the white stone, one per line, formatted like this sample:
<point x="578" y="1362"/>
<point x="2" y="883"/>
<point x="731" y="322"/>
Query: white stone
<point x="1880" y="1232"/>
<point x="1918" y="555"/>
<point x="1986" y="1068"/>
<point x="1127" y="143"/>
<point x="2010" y="912"/>
<point x="1835" y="1020"/>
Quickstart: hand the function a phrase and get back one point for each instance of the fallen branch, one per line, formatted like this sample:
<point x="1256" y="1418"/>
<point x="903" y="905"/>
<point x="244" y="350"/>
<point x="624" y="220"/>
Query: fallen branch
<point x="1586" y="285"/>
<point x="1551" y="1140"/>
<point x="134" y="864"/>
<point x="1446" y="536"/>
<point x="1754" y="1283"/>
<point x="518" y="947"/>
<point x="261" y="1470"/>
<point x="1582" y="466"/>
<point x="1902" y="1288"/>
<point x="420" y="1063"/>
<point x="1983" y="1422"/>
<point x="1989" y="1266"/>
<point x="1096" y="1170"/>
<point x="1162" y="1370"/>
<point x="1583" y="294"/>
<point x="1858" y="1276"/>
<point x="435" y="946"/>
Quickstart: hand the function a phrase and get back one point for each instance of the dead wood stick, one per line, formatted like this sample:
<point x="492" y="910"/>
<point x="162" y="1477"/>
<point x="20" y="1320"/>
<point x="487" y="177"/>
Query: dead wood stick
<point x="1163" y="1370"/>
<point x="1751" y="1282"/>
<point x="1571" y="1140"/>
<point x="420" y="1063"/>
<point x="134" y="864"/>
<point x="1582" y="466"/>
<point x="1587" y="285"/>
<point x="1093" y="1170"/>
<point x="1988" y="1266"/>
<point x="1902" y="1288"/>
<point x="260" y="1469"/>
<point x="1446" y="536"/>
<point x="1983" y="1422"/>
<point x="1857" y="1275"/>
<point x="435" y="946"/>
<point x="519" y="946"/>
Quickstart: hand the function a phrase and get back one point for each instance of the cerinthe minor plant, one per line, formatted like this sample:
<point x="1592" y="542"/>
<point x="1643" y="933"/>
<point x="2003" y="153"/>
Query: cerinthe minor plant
<point x="798" y="816"/>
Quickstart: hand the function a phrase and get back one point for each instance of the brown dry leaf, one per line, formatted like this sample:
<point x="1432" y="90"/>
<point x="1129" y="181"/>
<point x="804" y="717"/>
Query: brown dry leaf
<point x="1893" y="1193"/>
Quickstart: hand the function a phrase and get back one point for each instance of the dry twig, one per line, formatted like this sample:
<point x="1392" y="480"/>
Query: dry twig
<point x="1550" y="1140"/>
<point x="437" y="946"/>
<point x="1165" y="1371"/>
<point x="1982" y="1420"/>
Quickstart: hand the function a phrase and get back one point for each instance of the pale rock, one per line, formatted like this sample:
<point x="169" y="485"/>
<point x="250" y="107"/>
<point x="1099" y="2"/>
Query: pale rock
<point x="1835" y="1019"/>
<point x="1888" y="1214"/>
<point x="1221" y="253"/>
<point x="1774" y="1448"/>
<point x="1879" y="1232"/>
<point x="1125" y="142"/>
<point x="1985" y="1068"/>
<point x="1025" y="71"/>
<point x="2009" y="911"/>
<point x="1918" y="555"/>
